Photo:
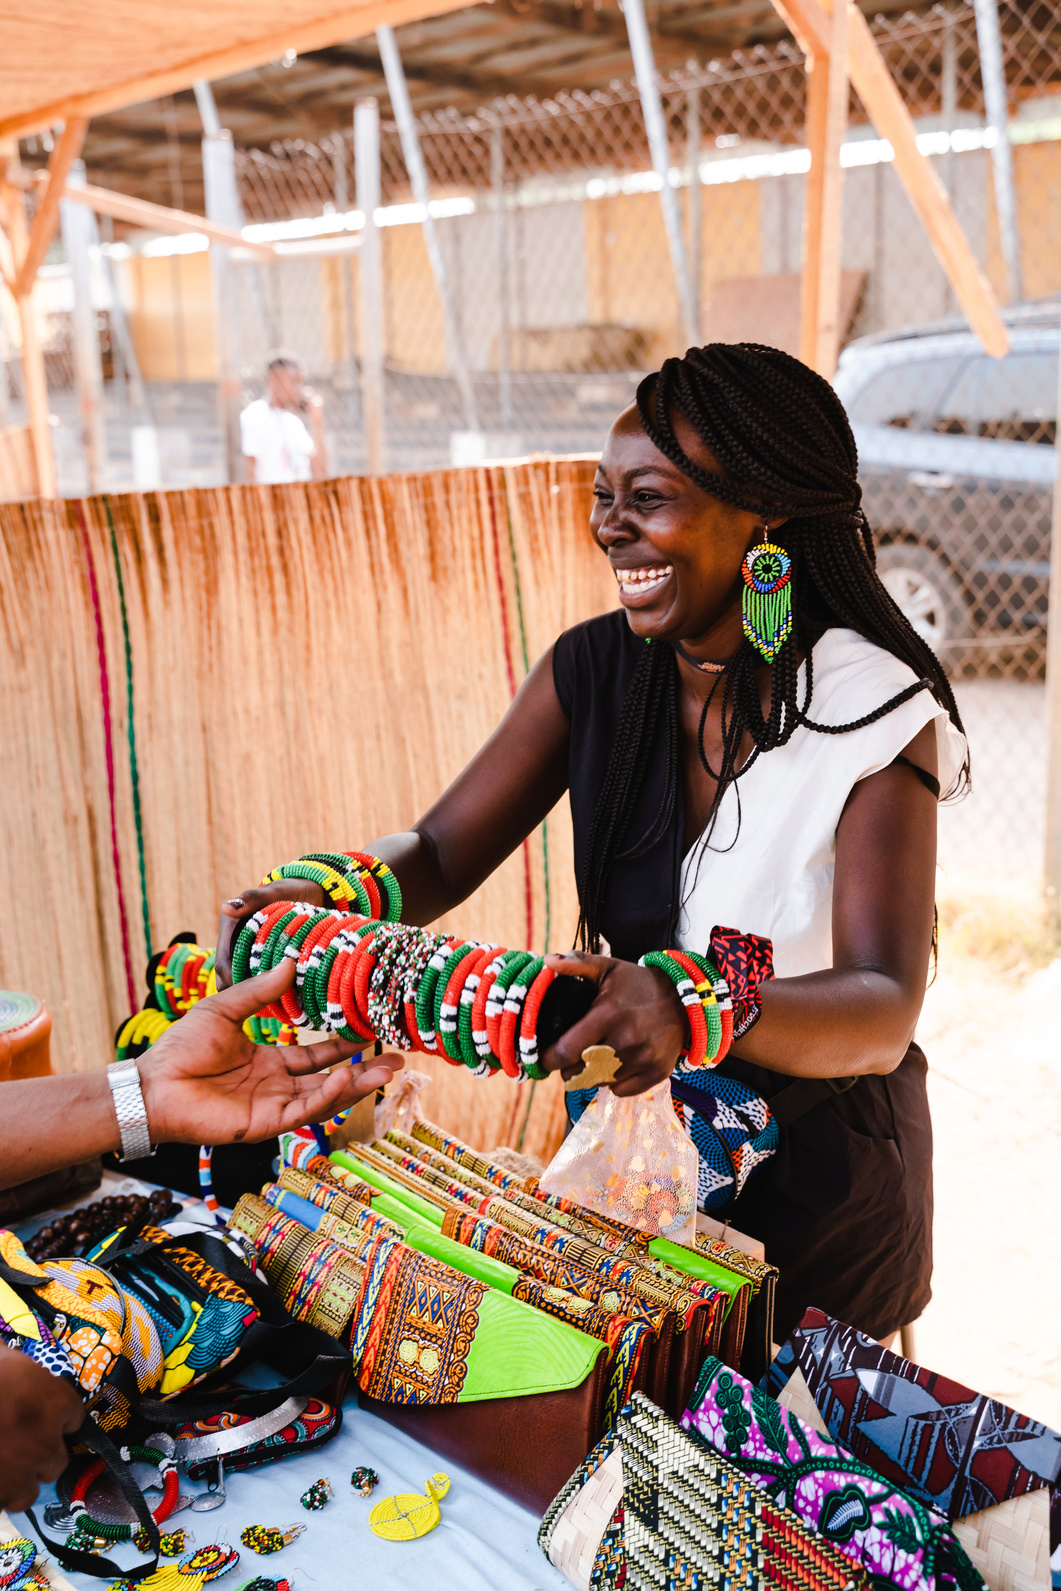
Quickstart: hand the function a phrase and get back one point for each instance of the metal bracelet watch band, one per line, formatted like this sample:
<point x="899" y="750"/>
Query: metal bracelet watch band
<point x="124" y="1079"/>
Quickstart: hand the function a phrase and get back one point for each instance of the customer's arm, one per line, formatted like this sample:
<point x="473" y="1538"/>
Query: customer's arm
<point x="203" y="1081"/>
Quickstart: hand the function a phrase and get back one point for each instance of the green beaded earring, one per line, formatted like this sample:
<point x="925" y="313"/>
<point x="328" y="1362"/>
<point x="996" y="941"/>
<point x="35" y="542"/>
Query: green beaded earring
<point x="766" y="604"/>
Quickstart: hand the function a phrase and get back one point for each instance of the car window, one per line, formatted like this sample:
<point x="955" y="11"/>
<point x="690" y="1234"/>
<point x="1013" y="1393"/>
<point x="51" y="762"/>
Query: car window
<point x="1008" y="400"/>
<point x="906" y="396"/>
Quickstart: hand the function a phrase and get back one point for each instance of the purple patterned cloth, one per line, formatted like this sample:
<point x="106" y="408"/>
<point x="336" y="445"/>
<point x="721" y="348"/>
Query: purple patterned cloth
<point x="897" y="1540"/>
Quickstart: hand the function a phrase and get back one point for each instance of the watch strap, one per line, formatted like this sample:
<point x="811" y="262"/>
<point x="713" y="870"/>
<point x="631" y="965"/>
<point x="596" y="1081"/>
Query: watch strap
<point x="124" y="1080"/>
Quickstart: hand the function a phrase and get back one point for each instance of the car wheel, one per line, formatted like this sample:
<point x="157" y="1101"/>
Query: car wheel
<point x="926" y="591"/>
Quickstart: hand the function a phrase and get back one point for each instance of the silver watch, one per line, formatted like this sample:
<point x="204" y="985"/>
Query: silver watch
<point x="124" y="1078"/>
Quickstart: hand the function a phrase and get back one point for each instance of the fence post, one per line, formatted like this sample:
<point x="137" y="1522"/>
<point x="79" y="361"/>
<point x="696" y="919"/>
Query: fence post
<point x="504" y="362"/>
<point x="414" y="165"/>
<point x="993" y="74"/>
<point x="370" y="280"/>
<point x="222" y="205"/>
<point x="827" y="92"/>
<point x="341" y="188"/>
<point x="1052" y="859"/>
<point x="693" y="142"/>
<point x="78" y="226"/>
<point x="659" y="145"/>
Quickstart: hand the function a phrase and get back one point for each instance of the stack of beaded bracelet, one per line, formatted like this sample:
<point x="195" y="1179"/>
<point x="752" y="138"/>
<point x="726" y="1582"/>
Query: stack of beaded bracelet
<point x="475" y="1004"/>
<point x="352" y="880"/>
<point x="705" y="995"/>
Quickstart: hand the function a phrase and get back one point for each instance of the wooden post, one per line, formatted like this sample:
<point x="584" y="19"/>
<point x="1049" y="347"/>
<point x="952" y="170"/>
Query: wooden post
<point x="370" y="281"/>
<point x="77" y="228"/>
<point x="13" y="212"/>
<point x="884" y="105"/>
<point x="827" y="89"/>
<point x="46" y="219"/>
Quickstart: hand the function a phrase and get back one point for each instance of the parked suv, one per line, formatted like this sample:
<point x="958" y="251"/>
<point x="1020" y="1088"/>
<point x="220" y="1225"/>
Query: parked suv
<point x="957" y="458"/>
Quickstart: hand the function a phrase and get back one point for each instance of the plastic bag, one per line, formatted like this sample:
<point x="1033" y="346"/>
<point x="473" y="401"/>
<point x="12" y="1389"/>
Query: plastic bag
<point x="400" y="1106"/>
<point x="630" y="1159"/>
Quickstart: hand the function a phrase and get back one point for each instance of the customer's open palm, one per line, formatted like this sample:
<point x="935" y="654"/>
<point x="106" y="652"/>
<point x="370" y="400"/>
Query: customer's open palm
<point x="205" y="1081"/>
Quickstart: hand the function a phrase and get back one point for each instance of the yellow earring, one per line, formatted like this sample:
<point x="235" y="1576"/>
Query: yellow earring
<point x="410" y="1514"/>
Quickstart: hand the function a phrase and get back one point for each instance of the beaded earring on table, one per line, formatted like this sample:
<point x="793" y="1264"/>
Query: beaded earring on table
<point x="766" y="605"/>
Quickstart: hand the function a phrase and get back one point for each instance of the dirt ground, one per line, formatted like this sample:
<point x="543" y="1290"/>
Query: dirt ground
<point x="991" y="1028"/>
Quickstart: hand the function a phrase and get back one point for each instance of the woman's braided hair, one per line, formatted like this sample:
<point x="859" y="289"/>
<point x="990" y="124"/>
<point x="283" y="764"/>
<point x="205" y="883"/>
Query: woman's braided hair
<point x="783" y="440"/>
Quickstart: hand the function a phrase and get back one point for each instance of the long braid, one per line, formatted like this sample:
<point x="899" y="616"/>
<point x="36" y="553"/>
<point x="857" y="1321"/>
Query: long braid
<point x="652" y="695"/>
<point x="786" y="448"/>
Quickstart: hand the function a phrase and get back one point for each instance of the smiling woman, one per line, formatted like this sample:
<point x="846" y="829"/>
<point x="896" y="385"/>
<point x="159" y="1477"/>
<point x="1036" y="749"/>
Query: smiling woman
<point x="757" y="738"/>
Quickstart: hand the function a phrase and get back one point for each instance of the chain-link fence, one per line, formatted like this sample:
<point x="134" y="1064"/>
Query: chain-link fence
<point x="563" y="293"/>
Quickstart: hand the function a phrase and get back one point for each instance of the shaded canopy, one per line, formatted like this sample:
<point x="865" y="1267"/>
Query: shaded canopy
<point x="60" y="61"/>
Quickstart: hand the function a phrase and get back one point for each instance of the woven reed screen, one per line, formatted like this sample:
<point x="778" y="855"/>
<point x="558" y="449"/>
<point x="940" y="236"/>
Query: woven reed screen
<point x="310" y="666"/>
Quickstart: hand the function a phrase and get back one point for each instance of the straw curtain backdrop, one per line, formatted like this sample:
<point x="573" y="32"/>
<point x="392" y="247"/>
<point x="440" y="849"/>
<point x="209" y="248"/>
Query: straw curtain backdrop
<point x="308" y="666"/>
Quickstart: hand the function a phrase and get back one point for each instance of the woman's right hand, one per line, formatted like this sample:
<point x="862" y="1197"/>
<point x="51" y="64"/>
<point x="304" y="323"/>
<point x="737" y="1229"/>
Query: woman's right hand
<point x="236" y="911"/>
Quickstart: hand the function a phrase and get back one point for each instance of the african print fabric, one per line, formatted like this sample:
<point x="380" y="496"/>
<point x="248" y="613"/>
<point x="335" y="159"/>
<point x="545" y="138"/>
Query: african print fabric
<point x="733" y="1130"/>
<point x="315" y="1280"/>
<point x="487" y="1237"/>
<point x="746" y="961"/>
<point x="86" y="1333"/>
<point x="316" y="1425"/>
<point x="730" y="1124"/>
<point x="956" y="1450"/>
<point x="865" y="1516"/>
<point x="422" y="1318"/>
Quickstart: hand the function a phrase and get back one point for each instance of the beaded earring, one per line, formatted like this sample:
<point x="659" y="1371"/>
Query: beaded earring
<point x="266" y="1538"/>
<point x="365" y="1480"/>
<point x="317" y="1495"/>
<point x="766" y="605"/>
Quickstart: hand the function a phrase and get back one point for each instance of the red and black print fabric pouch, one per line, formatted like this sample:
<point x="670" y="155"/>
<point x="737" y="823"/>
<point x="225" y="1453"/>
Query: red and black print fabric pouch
<point x="955" y="1449"/>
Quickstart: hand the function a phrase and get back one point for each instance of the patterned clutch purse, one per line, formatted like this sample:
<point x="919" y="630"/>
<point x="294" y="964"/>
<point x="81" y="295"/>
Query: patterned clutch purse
<point x="653" y="1510"/>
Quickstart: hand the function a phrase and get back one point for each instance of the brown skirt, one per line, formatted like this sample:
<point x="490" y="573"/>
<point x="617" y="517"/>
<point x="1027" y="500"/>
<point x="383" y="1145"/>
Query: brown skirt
<point x="844" y="1207"/>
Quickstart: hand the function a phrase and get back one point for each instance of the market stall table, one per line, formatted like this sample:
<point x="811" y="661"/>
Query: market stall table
<point x="485" y="1542"/>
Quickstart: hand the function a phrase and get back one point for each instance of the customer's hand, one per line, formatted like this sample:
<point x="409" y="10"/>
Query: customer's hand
<point x="236" y="911"/>
<point x="204" y="1081"/>
<point x="37" y="1410"/>
<point x="637" y="1011"/>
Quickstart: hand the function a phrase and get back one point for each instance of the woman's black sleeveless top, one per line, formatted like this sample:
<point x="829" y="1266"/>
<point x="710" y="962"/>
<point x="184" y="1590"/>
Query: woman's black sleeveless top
<point x="845" y="1206"/>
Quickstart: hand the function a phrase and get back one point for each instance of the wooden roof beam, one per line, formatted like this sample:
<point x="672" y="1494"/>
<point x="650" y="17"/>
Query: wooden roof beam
<point x="811" y="23"/>
<point x="46" y="220"/>
<point x="142" y="213"/>
<point x="348" y="22"/>
<point x="588" y="22"/>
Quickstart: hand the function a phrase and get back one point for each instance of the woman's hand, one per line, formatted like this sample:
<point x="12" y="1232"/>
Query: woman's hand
<point x="637" y="1012"/>
<point x="204" y="1081"/>
<point x="236" y="911"/>
<point x="37" y="1410"/>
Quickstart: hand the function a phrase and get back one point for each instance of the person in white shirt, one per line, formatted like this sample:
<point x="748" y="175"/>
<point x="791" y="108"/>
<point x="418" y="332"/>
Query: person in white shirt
<point x="277" y="445"/>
